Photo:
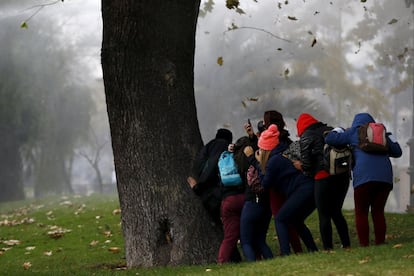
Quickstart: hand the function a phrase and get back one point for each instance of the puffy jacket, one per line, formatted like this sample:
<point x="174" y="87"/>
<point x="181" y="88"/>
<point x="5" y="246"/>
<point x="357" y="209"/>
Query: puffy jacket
<point x="311" y="133"/>
<point x="367" y="166"/>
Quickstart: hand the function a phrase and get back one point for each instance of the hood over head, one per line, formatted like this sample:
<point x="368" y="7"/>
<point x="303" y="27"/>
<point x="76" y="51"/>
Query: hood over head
<point x="304" y="121"/>
<point x="362" y="119"/>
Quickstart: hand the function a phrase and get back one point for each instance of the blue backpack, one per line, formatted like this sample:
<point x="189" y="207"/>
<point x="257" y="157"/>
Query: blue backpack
<point x="229" y="173"/>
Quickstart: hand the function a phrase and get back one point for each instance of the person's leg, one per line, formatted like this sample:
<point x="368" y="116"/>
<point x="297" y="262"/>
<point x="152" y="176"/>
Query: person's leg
<point x="362" y="203"/>
<point x="305" y="206"/>
<point x="247" y="222"/>
<point x="262" y="228"/>
<point x="295" y="210"/>
<point x="324" y="206"/>
<point x="231" y="211"/>
<point x="382" y="191"/>
<point x="276" y="202"/>
<point x="340" y="185"/>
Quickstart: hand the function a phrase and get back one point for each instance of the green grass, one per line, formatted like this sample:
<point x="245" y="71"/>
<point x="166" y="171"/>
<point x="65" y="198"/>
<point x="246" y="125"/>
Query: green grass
<point x="91" y="243"/>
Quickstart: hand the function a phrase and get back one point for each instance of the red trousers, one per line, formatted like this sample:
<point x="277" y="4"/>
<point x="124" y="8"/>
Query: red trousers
<point x="372" y="195"/>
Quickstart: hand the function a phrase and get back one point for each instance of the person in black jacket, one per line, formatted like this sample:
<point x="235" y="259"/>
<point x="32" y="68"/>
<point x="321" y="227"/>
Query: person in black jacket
<point x="205" y="179"/>
<point x="330" y="190"/>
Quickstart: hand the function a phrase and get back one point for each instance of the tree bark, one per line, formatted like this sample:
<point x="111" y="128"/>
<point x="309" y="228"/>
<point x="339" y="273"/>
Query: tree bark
<point x="148" y="68"/>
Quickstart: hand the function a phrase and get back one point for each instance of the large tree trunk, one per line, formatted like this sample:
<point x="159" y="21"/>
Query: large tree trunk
<point x="147" y="60"/>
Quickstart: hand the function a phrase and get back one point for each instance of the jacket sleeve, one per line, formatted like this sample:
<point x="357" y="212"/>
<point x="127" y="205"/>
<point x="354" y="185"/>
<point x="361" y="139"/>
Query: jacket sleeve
<point x="306" y="152"/>
<point x="394" y="147"/>
<point x="337" y="139"/>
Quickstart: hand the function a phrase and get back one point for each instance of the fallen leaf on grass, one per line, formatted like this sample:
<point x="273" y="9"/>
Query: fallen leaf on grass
<point x="47" y="253"/>
<point x="365" y="260"/>
<point x="30" y="248"/>
<point x="116" y="212"/>
<point x="208" y="269"/>
<point x="398" y="245"/>
<point x="114" y="249"/>
<point x="93" y="243"/>
<point x="11" y="242"/>
<point x="57" y="232"/>
<point x="27" y="265"/>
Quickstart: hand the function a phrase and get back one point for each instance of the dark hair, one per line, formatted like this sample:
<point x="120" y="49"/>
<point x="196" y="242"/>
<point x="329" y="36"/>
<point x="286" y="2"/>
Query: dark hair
<point x="260" y="126"/>
<point x="239" y="156"/>
<point x="275" y="117"/>
<point x="225" y="134"/>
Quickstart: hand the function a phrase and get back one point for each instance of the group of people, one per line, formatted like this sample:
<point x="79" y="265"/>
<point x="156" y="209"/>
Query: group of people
<point x="294" y="181"/>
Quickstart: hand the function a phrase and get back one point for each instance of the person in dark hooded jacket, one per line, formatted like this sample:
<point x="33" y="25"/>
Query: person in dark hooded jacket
<point x="330" y="190"/>
<point x="372" y="178"/>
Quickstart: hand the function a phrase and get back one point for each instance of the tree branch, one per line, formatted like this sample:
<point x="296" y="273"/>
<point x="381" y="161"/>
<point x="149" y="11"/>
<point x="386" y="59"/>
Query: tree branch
<point x="259" y="29"/>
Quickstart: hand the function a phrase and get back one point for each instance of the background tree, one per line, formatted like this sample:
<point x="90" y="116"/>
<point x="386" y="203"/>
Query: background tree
<point x="46" y="107"/>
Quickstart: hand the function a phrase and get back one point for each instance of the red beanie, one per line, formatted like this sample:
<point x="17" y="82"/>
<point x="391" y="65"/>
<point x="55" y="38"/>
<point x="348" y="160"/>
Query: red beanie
<point x="303" y="122"/>
<point x="269" y="138"/>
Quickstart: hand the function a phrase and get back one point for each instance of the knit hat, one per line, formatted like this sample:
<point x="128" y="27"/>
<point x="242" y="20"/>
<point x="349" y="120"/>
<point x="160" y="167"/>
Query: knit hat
<point x="273" y="117"/>
<point x="303" y="122"/>
<point x="225" y="134"/>
<point x="269" y="138"/>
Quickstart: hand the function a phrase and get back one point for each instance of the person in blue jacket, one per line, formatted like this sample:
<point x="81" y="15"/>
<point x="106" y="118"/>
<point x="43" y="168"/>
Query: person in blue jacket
<point x="372" y="178"/>
<point x="278" y="172"/>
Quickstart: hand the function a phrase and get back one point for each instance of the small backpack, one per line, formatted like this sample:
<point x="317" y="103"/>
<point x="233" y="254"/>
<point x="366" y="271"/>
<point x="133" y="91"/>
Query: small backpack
<point x="253" y="180"/>
<point x="373" y="138"/>
<point x="229" y="173"/>
<point x="337" y="160"/>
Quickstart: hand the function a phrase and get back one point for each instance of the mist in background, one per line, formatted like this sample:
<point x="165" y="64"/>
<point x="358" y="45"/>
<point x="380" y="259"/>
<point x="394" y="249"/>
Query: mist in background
<point x="332" y="59"/>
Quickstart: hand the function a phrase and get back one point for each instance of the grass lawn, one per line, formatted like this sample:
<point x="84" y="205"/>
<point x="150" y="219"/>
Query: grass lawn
<point x="82" y="236"/>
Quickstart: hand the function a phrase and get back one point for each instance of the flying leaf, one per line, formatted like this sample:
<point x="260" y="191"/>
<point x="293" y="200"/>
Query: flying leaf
<point x="220" y="61"/>
<point x="24" y="25"/>
<point x="393" y="21"/>
<point x="286" y="73"/>
<point x="253" y="99"/>
<point x="240" y="11"/>
<point x="244" y="104"/>
<point x="279" y="49"/>
<point x="232" y="4"/>
<point x="363" y="1"/>
<point x="292" y="18"/>
<point x="313" y="42"/>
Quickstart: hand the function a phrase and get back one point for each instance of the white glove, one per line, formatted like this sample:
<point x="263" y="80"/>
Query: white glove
<point x="338" y="129"/>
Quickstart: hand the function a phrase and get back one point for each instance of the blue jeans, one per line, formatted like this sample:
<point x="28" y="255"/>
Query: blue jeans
<point x="298" y="206"/>
<point x="254" y="223"/>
